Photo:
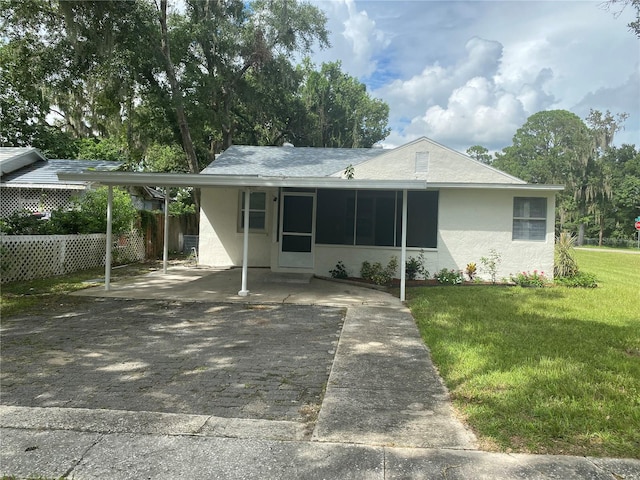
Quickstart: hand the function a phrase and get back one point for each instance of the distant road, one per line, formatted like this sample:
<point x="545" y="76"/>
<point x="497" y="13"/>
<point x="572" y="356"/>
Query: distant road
<point x="632" y="252"/>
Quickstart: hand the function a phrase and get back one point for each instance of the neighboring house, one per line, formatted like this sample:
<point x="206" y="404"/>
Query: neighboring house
<point x="147" y="198"/>
<point x="306" y="216"/>
<point x="29" y="181"/>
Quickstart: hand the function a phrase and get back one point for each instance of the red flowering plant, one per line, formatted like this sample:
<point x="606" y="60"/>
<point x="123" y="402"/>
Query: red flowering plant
<point x="526" y="279"/>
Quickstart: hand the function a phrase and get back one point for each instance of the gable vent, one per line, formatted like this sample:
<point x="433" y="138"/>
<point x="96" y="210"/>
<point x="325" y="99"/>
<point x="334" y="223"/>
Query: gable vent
<point x="422" y="162"/>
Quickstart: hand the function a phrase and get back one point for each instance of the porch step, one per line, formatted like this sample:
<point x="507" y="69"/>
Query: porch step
<point x="280" y="277"/>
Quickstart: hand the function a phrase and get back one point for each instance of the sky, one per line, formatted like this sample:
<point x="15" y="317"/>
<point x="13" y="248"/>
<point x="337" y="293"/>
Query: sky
<point x="469" y="73"/>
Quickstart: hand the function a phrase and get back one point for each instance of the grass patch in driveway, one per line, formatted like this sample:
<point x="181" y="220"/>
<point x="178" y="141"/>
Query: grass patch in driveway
<point x="551" y="370"/>
<point x="45" y="293"/>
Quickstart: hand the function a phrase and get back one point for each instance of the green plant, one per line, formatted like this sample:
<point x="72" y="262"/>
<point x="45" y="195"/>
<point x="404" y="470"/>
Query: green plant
<point x="93" y="205"/>
<point x="565" y="264"/>
<point x="349" y="172"/>
<point x="526" y="279"/>
<point x="580" y="279"/>
<point x="340" y="271"/>
<point x="491" y="263"/>
<point x="471" y="270"/>
<point x="366" y="270"/>
<point x="378" y="274"/>
<point x="448" y="277"/>
<point x="415" y="266"/>
<point x="87" y="214"/>
<point x="23" y="223"/>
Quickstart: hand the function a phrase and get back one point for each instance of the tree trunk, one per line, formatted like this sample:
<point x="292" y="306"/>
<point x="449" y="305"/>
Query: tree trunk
<point x="601" y="233"/>
<point x="580" y="240"/>
<point x="176" y="93"/>
<point x="176" y="97"/>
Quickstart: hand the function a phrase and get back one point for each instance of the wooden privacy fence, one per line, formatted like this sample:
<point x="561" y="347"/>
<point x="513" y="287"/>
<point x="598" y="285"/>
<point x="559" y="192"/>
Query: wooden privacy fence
<point x="179" y="226"/>
<point x="25" y="257"/>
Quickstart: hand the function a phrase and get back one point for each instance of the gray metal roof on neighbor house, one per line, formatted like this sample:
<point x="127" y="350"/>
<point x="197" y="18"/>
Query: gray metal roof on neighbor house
<point x="14" y="158"/>
<point x="44" y="173"/>
<point x="288" y="161"/>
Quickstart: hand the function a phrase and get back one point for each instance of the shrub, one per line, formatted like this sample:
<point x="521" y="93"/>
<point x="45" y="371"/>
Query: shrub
<point x="378" y="274"/>
<point x="565" y="264"/>
<point x="414" y="267"/>
<point x="490" y="264"/>
<point x="580" y="279"/>
<point x="93" y="205"/>
<point x="340" y="271"/>
<point x="526" y="279"/>
<point x="87" y="214"/>
<point x="448" y="277"/>
<point x="23" y="223"/>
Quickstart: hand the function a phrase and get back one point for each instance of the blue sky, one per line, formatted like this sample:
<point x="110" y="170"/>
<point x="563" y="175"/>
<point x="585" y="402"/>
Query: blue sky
<point x="467" y="73"/>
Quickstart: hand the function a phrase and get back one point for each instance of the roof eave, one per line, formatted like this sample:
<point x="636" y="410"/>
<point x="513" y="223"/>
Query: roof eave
<point x="209" y="180"/>
<point x="498" y="186"/>
<point x="48" y="186"/>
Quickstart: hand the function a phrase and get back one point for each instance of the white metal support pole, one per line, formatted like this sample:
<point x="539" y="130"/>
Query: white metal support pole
<point x="403" y="255"/>
<point x="245" y="248"/>
<point x="107" y="259"/>
<point x="165" y="247"/>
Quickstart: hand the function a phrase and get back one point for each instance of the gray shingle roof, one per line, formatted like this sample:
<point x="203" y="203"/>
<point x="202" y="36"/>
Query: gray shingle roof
<point x="288" y="161"/>
<point x="45" y="172"/>
<point x="14" y="158"/>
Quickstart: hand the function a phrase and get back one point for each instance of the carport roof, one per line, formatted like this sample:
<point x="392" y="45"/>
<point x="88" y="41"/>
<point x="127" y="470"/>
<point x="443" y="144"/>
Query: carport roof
<point x="216" y="180"/>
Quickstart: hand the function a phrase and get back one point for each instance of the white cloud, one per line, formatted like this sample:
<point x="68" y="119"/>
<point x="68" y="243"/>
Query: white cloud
<point x="472" y="72"/>
<point x="469" y="102"/>
<point x="364" y="39"/>
<point x="476" y="113"/>
<point x="355" y="39"/>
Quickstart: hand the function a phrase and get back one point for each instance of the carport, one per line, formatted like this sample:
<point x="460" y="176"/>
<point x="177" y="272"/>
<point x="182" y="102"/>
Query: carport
<point x="248" y="182"/>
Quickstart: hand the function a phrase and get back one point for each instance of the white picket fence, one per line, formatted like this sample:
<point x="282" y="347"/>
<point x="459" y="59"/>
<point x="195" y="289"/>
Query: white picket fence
<point x="25" y="257"/>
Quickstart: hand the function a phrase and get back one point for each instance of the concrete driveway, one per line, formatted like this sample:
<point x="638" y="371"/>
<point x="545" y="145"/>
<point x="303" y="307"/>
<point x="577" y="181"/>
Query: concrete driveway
<point x="186" y="343"/>
<point x="266" y="362"/>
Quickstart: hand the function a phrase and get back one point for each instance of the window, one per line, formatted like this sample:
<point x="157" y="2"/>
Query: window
<point x="335" y="216"/>
<point x="376" y="218"/>
<point x="422" y="219"/>
<point x="257" y="212"/>
<point x="371" y="217"/>
<point x="529" y="218"/>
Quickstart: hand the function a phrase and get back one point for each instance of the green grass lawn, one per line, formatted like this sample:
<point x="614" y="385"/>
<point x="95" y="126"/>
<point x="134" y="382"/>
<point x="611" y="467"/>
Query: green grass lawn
<point x="550" y="370"/>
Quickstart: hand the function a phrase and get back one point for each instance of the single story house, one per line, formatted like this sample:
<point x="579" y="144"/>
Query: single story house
<point x="29" y="181"/>
<point x="306" y="209"/>
<point x="346" y="205"/>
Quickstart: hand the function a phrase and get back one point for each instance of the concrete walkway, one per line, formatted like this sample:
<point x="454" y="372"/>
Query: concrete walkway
<point x="385" y="413"/>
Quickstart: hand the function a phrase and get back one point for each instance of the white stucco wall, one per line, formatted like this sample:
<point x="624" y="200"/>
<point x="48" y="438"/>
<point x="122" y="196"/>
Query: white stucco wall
<point x="221" y="242"/>
<point x="472" y="222"/>
<point x="444" y="166"/>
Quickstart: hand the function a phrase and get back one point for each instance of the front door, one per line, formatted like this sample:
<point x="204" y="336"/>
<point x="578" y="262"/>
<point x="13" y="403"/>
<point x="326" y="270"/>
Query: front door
<point x="297" y="229"/>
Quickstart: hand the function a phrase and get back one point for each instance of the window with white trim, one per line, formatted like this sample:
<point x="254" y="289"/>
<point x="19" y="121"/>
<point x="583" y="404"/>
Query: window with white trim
<point x="529" y="218"/>
<point x="257" y="212"/>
